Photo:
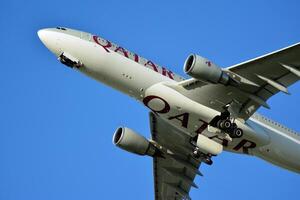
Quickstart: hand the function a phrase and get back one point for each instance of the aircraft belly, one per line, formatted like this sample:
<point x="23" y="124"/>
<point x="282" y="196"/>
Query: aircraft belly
<point x="282" y="151"/>
<point x="179" y="110"/>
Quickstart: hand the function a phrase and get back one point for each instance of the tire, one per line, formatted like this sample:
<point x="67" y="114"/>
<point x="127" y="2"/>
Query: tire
<point x="219" y="124"/>
<point x="238" y="133"/>
<point x="226" y="124"/>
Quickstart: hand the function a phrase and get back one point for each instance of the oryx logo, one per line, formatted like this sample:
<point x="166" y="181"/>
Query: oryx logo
<point x="208" y="63"/>
<point x="103" y="43"/>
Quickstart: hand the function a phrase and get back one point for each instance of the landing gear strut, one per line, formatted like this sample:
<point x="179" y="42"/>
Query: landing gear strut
<point x="206" y="158"/>
<point x="227" y="126"/>
<point x="226" y="123"/>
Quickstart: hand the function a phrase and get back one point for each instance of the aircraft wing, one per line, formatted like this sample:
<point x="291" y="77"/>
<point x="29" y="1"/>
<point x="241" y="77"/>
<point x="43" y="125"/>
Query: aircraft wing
<point x="259" y="78"/>
<point x="175" y="170"/>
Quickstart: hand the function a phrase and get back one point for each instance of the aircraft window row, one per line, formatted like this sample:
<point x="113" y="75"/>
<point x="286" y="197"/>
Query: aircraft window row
<point x="280" y="125"/>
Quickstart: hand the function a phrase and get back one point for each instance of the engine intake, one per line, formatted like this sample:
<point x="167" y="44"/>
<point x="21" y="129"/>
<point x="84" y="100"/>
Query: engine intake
<point x="203" y="69"/>
<point x="133" y="142"/>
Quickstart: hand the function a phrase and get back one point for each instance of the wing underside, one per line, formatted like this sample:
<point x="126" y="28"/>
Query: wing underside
<point x="174" y="173"/>
<point x="259" y="79"/>
<point x="273" y="73"/>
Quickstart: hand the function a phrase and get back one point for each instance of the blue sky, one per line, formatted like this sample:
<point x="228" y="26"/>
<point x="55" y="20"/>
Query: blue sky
<point x="56" y="125"/>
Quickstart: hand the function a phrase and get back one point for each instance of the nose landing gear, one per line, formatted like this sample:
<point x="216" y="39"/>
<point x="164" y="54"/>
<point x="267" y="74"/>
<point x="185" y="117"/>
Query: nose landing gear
<point x="69" y="60"/>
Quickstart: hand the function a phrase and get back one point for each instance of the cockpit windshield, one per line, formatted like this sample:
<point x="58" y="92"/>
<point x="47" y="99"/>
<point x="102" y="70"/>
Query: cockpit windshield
<point x="61" y="28"/>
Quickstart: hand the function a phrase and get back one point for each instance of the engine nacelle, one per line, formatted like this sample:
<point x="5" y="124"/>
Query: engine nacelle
<point x="203" y="69"/>
<point x="133" y="142"/>
<point x="207" y="145"/>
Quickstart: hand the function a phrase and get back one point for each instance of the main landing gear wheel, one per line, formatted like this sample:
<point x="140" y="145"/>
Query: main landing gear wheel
<point x="203" y="157"/>
<point x="224" y="124"/>
<point x="237" y="133"/>
<point x="229" y="127"/>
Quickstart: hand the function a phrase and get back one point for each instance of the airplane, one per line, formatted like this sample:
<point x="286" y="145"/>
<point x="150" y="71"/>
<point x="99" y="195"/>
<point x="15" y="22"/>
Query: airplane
<point x="191" y="120"/>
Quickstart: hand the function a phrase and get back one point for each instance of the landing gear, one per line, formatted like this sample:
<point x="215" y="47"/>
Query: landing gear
<point x="206" y="158"/>
<point x="237" y="133"/>
<point x="225" y="122"/>
<point x="229" y="127"/>
<point x="69" y="60"/>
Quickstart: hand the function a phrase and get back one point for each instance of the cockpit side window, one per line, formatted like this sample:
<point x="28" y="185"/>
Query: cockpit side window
<point x="61" y="28"/>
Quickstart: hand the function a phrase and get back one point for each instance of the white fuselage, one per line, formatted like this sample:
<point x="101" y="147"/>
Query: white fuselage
<point x="152" y="85"/>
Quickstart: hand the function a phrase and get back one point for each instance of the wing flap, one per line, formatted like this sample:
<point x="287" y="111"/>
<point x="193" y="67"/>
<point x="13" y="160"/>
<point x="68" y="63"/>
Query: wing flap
<point x="258" y="80"/>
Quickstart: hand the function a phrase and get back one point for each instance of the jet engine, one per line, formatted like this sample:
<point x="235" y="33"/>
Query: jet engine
<point x="133" y="142"/>
<point x="203" y="69"/>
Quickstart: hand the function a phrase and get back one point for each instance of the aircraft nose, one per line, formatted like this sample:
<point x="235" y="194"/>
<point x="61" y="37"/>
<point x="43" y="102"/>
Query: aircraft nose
<point x="50" y="39"/>
<point x="45" y="37"/>
<point x="42" y="35"/>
